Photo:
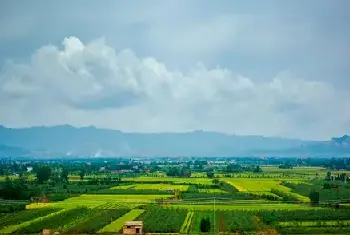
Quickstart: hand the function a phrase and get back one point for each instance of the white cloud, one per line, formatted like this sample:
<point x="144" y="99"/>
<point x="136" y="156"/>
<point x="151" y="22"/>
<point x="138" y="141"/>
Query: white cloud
<point x="91" y="84"/>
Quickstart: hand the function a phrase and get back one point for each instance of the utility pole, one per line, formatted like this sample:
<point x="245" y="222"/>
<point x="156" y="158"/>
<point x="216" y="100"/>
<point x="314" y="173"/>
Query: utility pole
<point x="214" y="217"/>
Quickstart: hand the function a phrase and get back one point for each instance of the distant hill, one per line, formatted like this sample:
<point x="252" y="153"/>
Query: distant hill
<point x="60" y="141"/>
<point x="9" y="151"/>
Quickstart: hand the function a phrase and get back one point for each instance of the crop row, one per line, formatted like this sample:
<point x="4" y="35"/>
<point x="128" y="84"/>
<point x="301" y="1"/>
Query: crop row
<point x="187" y="223"/>
<point x="96" y="221"/>
<point x="157" y="219"/>
<point x="117" y="225"/>
<point x="22" y="216"/>
<point x="55" y="222"/>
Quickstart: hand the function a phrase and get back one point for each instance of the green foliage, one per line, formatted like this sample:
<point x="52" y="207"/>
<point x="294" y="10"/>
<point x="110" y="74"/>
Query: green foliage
<point x="270" y="217"/>
<point x="238" y="221"/>
<point x="289" y="196"/>
<point x="54" y="222"/>
<point x="82" y="174"/>
<point x="14" y="189"/>
<point x="204" y="226"/>
<point x="157" y="219"/>
<point x="210" y="174"/>
<point x="97" y="221"/>
<point x="43" y="174"/>
<point x="237" y="196"/>
<point x="12" y="207"/>
<point x="64" y="174"/>
<point x="25" y="215"/>
<point x="341" y="192"/>
<point x="314" y="197"/>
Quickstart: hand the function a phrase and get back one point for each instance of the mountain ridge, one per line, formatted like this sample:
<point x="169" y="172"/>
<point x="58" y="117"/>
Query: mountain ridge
<point x="66" y="141"/>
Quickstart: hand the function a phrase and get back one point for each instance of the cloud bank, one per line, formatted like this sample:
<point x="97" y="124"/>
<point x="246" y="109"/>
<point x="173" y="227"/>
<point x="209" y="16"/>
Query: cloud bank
<point x="92" y="84"/>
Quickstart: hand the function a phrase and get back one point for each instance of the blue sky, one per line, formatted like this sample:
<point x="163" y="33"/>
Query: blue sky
<point x="274" y="68"/>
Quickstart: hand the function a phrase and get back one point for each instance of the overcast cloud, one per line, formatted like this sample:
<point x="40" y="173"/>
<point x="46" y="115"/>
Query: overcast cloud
<point x="267" y="68"/>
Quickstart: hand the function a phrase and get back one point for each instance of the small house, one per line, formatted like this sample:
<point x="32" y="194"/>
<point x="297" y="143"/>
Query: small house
<point x="133" y="227"/>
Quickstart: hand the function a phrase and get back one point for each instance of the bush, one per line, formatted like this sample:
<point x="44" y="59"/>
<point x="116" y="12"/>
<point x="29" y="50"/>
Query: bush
<point x="12" y="207"/>
<point x="205" y="225"/>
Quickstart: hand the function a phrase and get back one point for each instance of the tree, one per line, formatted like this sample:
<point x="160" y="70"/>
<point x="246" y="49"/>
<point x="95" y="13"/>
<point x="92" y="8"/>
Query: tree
<point x="314" y="197"/>
<point x="329" y="174"/>
<point x="43" y="174"/>
<point x="82" y="174"/>
<point x="205" y="225"/>
<point x="210" y="174"/>
<point x="257" y="169"/>
<point x="215" y="181"/>
<point x="64" y="175"/>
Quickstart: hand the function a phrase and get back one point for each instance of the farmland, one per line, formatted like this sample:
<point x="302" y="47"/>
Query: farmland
<point x="270" y="200"/>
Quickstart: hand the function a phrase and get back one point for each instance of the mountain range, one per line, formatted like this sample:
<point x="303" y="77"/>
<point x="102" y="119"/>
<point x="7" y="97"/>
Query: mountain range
<point x="69" y="141"/>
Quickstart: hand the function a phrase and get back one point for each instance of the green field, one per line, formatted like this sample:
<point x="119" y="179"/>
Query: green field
<point x="249" y="203"/>
<point x="170" y="179"/>
<point x="117" y="225"/>
<point x="256" y="185"/>
<point x="161" y="187"/>
<point x="241" y="206"/>
<point x="93" y="200"/>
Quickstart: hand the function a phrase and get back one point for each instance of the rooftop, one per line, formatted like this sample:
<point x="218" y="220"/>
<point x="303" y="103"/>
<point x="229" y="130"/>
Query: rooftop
<point x="133" y="223"/>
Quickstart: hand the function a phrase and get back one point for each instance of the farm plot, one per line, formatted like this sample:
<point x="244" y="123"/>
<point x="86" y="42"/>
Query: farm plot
<point x="317" y="185"/>
<point x="162" y="187"/>
<point x="26" y="215"/>
<point x="128" y="186"/>
<point x="198" y="216"/>
<point x="251" y="206"/>
<point x="212" y="190"/>
<point x="173" y="180"/>
<point x="163" y="220"/>
<point x="295" y="170"/>
<point x="271" y="189"/>
<point x="55" y="221"/>
<point x="187" y="223"/>
<point x="249" y="185"/>
<point x="318" y="223"/>
<point x="316" y="230"/>
<point x="96" y="221"/>
<point x="154" y="187"/>
<point x="238" y="221"/>
<point x="117" y="225"/>
<point x="95" y="200"/>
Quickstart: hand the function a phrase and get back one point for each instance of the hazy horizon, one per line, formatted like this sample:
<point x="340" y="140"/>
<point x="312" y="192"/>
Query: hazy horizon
<point x="272" y="68"/>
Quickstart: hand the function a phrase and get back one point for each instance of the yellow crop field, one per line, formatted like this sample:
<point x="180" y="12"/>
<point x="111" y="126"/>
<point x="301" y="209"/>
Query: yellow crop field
<point x="256" y="185"/>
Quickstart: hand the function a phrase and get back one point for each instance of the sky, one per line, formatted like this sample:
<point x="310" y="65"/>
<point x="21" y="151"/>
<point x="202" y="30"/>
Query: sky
<point x="271" y="68"/>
